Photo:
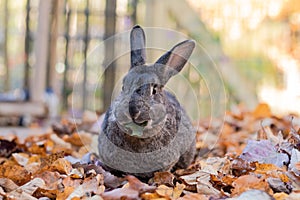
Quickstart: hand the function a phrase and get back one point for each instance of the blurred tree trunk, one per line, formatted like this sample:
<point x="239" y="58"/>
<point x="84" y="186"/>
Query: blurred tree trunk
<point x="28" y="49"/>
<point x="51" y="73"/>
<point x="41" y="52"/>
<point x="189" y="20"/>
<point x="109" y="64"/>
<point x="5" y="57"/>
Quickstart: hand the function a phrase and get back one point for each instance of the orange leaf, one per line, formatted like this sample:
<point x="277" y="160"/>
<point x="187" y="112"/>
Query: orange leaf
<point x="262" y="111"/>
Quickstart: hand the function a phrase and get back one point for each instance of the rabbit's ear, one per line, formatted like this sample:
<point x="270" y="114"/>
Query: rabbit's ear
<point x="175" y="59"/>
<point x="137" y="46"/>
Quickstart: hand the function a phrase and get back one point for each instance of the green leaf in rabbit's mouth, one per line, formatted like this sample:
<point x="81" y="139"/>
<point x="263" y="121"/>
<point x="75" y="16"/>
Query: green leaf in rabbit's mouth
<point x="142" y="123"/>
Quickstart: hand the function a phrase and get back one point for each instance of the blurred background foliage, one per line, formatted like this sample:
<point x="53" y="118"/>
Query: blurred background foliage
<point x="253" y="44"/>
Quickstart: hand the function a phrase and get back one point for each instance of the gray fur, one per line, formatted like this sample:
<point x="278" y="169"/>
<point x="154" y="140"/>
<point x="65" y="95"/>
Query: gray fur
<point x="145" y="129"/>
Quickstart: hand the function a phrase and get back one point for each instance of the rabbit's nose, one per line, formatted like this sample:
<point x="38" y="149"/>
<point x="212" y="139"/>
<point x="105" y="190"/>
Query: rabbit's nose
<point x="133" y="111"/>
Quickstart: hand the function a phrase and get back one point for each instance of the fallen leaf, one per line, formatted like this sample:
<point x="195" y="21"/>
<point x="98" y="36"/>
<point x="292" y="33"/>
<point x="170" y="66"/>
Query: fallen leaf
<point x="263" y="152"/>
<point x="194" y="196"/>
<point x="240" y="167"/>
<point x="7" y="148"/>
<point x="150" y="196"/>
<point x="15" y="172"/>
<point x="61" y="165"/>
<point x="201" y="180"/>
<point x="164" y="191"/>
<point x="66" y="192"/>
<point x="161" y="178"/>
<point x="21" y="158"/>
<point x="295" y="159"/>
<point x="60" y="142"/>
<point x="262" y="111"/>
<point x="52" y="180"/>
<point x="8" y="184"/>
<point x="86" y="189"/>
<point x="278" y="185"/>
<point x="76" y="173"/>
<point x="204" y="186"/>
<point x="178" y="190"/>
<point x="266" y="168"/>
<point x="248" y="182"/>
<point x="213" y="165"/>
<point x="134" y="189"/>
<point x="256" y="194"/>
<point x="27" y="189"/>
<point x="280" y="196"/>
<point x="69" y="182"/>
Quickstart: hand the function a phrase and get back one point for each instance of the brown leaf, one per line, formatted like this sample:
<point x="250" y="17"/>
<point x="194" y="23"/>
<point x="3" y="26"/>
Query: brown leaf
<point x="64" y="195"/>
<point x="64" y="127"/>
<point x="8" y="184"/>
<point x="150" y="196"/>
<point x="51" y="179"/>
<point x="7" y="148"/>
<point x="70" y="182"/>
<point x="87" y="188"/>
<point x="240" y="166"/>
<point x="164" y="191"/>
<point x="15" y="172"/>
<point x="262" y="111"/>
<point x="178" y="190"/>
<point x="202" y="181"/>
<point x="21" y="158"/>
<point x="132" y="191"/>
<point x="26" y="189"/>
<point x="247" y="182"/>
<point x="194" y="196"/>
<point x="161" y="178"/>
<point x="278" y="185"/>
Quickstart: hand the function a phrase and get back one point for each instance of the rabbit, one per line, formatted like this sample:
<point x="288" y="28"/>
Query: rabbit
<point x="146" y="130"/>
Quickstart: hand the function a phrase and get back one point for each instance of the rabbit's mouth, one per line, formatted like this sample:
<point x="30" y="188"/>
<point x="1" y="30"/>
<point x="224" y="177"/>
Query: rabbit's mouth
<point x="141" y="123"/>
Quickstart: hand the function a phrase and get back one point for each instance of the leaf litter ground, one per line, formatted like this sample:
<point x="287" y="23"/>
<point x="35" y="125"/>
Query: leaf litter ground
<point x="256" y="155"/>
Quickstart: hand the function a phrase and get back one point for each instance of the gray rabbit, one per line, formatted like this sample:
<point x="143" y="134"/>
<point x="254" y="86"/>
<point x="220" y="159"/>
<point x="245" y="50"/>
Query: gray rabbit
<point x="145" y="129"/>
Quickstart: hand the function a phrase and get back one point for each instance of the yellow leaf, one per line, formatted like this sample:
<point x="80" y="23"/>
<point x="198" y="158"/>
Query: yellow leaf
<point x="178" y="190"/>
<point x="263" y="168"/>
<point x="149" y="196"/>
<point x="262" y="111"/>
<point x="280" y="196"/>
<point x="62" y="165"/>
<point x="164" y="191"/>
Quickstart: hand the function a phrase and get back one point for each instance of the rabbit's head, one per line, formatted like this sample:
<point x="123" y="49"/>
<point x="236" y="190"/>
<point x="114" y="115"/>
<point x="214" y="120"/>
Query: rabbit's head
<point x="143" y="105"/>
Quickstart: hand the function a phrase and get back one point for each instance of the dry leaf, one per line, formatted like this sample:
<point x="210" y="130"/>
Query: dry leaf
<point x="161" y="178"/>
<point x="262" y="111"/>
<point x="7" y="147"/>
<point x="280" y="196"/>
<point x="27" y="189"/>
<point x="248" y="182"/>
<point x="62" y="165"/>
<point x="263" y="152"/>
<point x="21" y="158"/>
<point x="8" y="184"/>
<point x="253" y="194"/>
<point x="51" y="179"/>
<point x="86" y="189"/>
<point x="164" y="191"/>
<point x="132" y="191"/>
<point x="295" y="159"/>
<point x="15" y="172"/>
<point x="194" y="196"/>
<point x="178" y="190"/>
<point x="278" y="185"/>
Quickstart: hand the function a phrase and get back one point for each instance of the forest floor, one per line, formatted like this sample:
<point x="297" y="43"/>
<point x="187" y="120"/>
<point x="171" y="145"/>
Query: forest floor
<point x="246" y="155"/>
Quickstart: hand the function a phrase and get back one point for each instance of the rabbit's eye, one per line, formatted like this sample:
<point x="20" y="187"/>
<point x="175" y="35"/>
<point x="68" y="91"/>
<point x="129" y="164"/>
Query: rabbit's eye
<point x="154" y="89"/>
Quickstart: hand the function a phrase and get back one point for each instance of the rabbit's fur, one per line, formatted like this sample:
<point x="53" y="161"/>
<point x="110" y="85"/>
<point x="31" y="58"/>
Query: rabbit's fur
<point x="145" y="129"/>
